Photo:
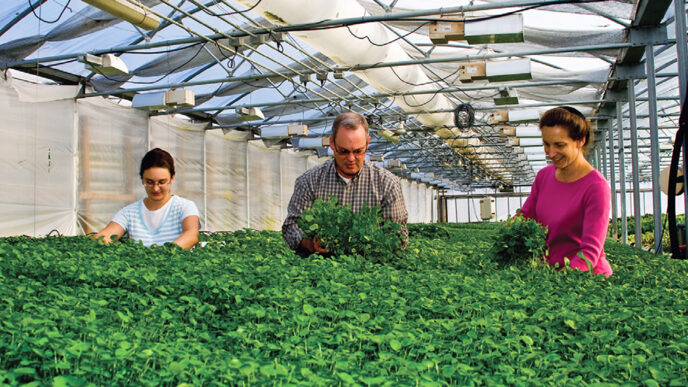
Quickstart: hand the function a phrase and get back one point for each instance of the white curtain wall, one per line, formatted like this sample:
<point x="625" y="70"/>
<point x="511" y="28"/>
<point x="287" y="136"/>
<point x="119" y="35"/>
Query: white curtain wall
<point x="68" y="165"/>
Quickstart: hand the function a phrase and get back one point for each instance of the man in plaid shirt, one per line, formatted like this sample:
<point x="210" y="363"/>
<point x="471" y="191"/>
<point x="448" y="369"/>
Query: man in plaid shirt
<point x="349" y="178"/>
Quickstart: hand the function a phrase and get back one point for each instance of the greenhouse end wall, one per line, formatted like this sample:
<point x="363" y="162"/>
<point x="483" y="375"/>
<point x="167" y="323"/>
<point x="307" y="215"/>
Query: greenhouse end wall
<point x="69" y="164"/>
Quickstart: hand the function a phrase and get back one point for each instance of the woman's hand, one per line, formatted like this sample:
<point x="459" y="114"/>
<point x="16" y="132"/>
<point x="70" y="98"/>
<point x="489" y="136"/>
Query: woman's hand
<point x="189" y="235"/>
<point x="106" y="234"/>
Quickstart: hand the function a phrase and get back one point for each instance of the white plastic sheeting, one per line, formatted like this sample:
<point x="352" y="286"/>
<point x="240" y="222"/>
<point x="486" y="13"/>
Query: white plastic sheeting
<point x="112" y="141"/>
<point x="419" y="201"/>
<point x="37" y="161"/>
<point x="69" y="166"/>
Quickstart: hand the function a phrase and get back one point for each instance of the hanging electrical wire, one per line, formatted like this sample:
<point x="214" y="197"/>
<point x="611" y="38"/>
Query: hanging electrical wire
<point x="33" y="10"/>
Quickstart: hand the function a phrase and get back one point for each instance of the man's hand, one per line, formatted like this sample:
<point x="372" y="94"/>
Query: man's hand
<point x="313" y="245"/>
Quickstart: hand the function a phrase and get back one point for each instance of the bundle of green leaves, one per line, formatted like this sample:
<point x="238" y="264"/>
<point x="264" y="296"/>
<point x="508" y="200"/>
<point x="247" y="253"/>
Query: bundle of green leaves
<point x="520" y="241"/>
<point x="341" y="231"/>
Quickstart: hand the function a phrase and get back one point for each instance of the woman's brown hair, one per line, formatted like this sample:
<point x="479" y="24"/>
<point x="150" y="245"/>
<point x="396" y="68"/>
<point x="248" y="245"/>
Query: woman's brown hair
<point x="157" y="158"/>
<point x="569" y="118"/>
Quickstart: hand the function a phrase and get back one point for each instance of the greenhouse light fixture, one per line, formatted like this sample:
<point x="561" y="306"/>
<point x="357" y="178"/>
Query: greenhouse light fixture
<point x="376" y="157"/>
<point x="250" y="114"/>
<point x="523" y="116"/>
<point x="388" y="135"/>
<point x="324" y="152"/>
<point x="508" y="70"/>
<point x="506" y="96"/>
<point x="162" y="100"/>
<point x="507" y="131"/>
<point x="274" y="132"/>
<point x="505" y="29"/>
<point x="469" y="72"/>
<point x="150" y="101"/>
<point x="311" y="142"/>
<point x="427" y="177"/>
<point x="107" y="64"/>
<point x="133" y="12"/>
<point x="400" y="129"/>
<point x="180" y="97"/>
<point x="498" y="116"/>
<point x="282" y="132"/>
<point x="448" y="27"/>
<point x="393" y="163"/>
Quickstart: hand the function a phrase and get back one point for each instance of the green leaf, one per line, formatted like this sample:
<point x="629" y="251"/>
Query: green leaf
<point x="24" y="371"/>
<point x="650" y="383"/>
<point x="268" y="370"/>
<point x="176" y="368"/>
<point x="527" y="340"/>
<point x="346" y="378"/>
<point x="60" y="381"/>
<point x="587" y="261"/>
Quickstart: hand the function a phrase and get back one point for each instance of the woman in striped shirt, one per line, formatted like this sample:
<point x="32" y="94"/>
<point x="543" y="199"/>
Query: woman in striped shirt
<point x="160" y="217"/>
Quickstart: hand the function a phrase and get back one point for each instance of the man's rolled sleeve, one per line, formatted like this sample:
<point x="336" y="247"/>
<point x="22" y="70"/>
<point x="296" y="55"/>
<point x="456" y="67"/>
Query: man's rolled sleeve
<point x="394" y="207"/>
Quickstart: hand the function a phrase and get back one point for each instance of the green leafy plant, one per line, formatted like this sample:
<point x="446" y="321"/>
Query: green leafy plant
<point x="427" y="230"/>
<point x="520" y="241"/>
<point x="341" y="231"/>
<point x="247" y="311"/>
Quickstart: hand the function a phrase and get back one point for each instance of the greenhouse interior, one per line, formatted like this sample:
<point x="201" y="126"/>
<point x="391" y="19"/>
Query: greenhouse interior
<point x="244" y="94"/>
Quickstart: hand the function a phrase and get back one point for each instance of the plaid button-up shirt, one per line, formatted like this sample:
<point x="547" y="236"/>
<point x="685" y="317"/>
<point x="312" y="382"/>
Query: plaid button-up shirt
<point x="373" y="185"/>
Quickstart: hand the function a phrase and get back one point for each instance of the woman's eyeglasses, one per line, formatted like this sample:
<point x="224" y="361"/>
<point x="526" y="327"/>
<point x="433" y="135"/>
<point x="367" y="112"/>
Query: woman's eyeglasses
<point x="152" y="184"/>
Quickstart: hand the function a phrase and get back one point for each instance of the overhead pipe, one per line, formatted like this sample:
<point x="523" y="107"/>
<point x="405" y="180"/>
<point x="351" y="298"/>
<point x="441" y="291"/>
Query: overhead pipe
<point x="135" y="13"/>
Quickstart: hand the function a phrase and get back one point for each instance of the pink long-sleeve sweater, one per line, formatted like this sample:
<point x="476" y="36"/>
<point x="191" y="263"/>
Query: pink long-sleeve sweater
<point x="577" y="217"/>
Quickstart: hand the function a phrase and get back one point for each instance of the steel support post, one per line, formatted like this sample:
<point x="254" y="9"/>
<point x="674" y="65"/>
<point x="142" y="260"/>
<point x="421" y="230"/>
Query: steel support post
<point x="468" y="205"/>
<point x="682" y="57"/>
<point x="204" y="182"/>
<point x="622" y="172"/>
<point x="603" y="145"/>
<point x="612" y="181"/>
<point x="496" y="217"/>
<point x="603" y="155"/>
<point x="456" y="209"/>
<point x="681" y="50"/>
<point x="634" y="164"/>
<point x="654" y="144"/>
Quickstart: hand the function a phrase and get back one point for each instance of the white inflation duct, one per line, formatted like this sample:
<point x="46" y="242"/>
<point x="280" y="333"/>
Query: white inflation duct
<point x="340" y="45"/>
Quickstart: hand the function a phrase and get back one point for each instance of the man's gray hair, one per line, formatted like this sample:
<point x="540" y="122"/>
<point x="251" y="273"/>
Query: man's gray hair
<point x="349" y="120"/>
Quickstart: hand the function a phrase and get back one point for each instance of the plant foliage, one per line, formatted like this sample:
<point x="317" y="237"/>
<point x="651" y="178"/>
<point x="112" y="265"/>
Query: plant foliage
<point x="341" y="231"/>
<point x="427" y="230"/>
<point x="520" y="241"/>
<point x="244" y="310"/>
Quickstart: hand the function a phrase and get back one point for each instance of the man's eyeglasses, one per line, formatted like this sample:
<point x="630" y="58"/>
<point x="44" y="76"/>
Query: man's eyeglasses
<point x="345" y="152"/>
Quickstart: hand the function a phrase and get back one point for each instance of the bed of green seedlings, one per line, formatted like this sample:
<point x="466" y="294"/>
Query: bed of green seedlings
<point x="245" y="310"/>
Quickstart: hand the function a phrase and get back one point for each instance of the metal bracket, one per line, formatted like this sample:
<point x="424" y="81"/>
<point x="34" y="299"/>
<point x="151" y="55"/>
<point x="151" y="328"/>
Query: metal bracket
<point x="629" y="71"/>
<point x="606" y="112"/>
<point x="647" y="36"/>
<point x="616" y="96"/>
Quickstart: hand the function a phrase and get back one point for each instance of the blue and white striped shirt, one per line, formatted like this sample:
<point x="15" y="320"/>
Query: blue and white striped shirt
<point x="131" y="220"/>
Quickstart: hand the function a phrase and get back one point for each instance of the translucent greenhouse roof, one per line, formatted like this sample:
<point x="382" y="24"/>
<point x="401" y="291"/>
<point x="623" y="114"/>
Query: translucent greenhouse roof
<point x="302" y="62"/>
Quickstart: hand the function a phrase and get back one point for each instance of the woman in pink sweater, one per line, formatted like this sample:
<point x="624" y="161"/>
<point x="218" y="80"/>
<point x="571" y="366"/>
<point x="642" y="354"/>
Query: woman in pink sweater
<point x="570" y="197"/>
